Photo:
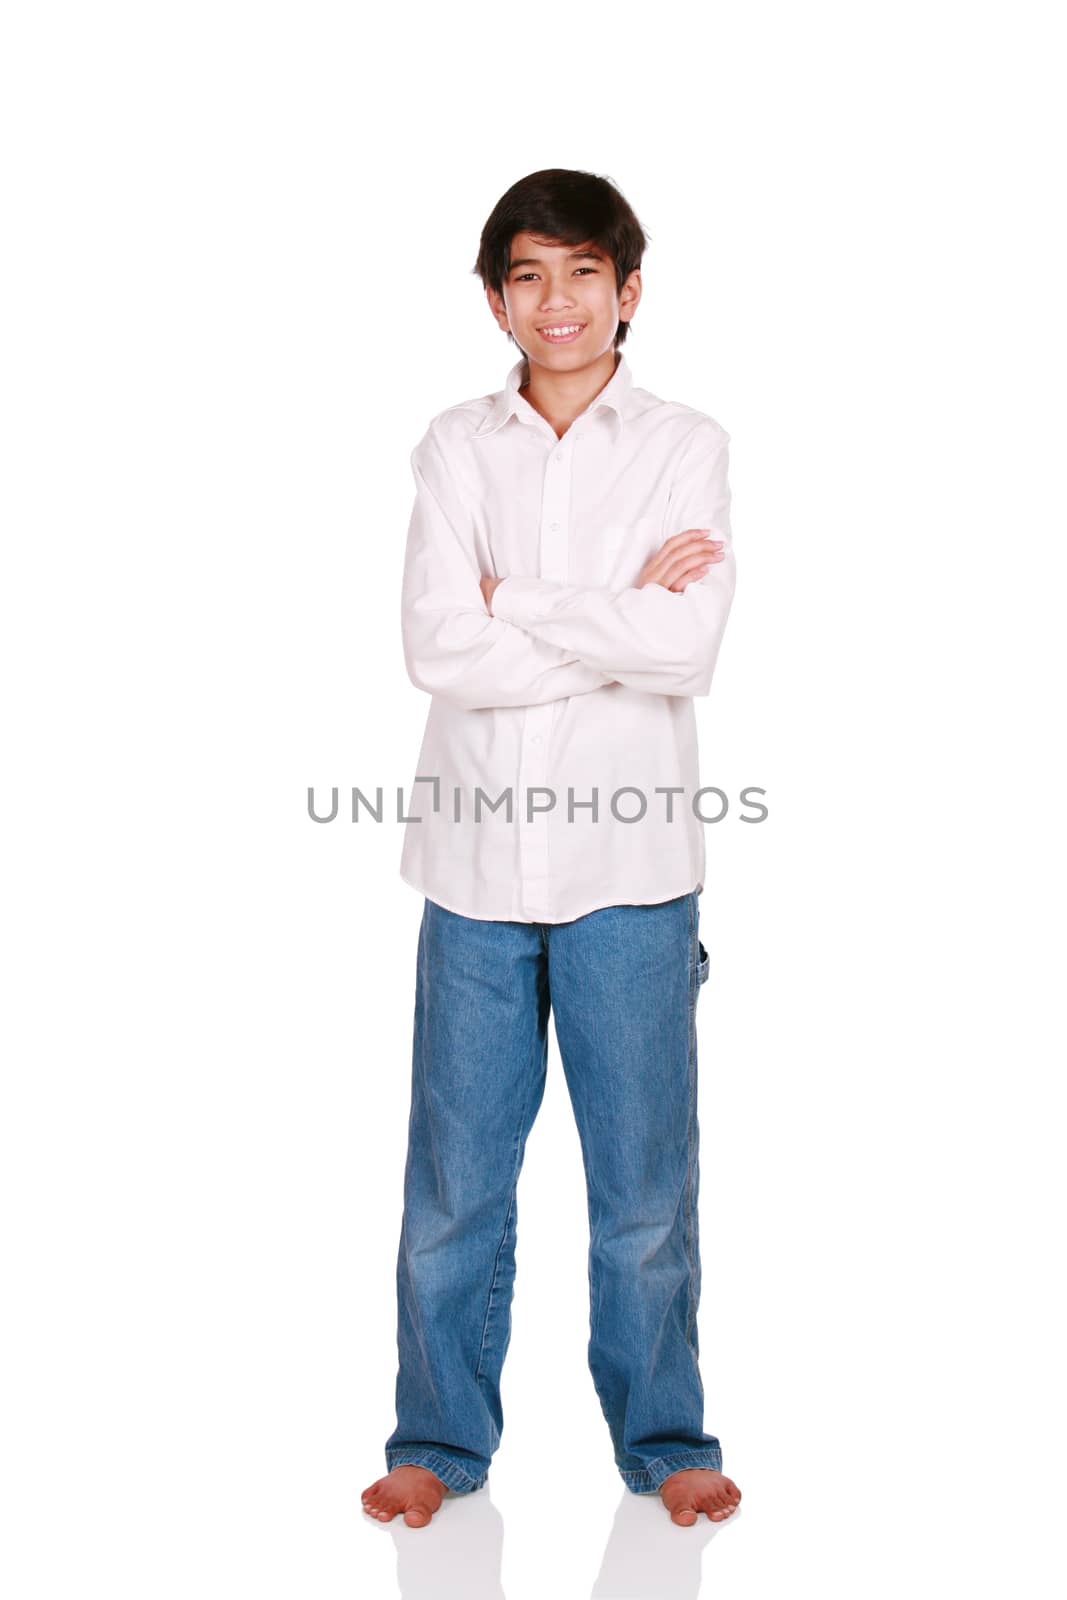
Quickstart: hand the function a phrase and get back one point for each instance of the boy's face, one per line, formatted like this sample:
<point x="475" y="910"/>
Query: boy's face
<point x="562" y="285"/>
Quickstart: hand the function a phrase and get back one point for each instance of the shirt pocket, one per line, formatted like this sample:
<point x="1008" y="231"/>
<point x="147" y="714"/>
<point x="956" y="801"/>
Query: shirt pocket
<point x="615" y="551"/>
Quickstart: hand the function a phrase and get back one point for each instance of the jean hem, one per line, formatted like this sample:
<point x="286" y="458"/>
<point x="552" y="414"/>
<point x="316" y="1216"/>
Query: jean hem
<point x="649" y="1479"/>
<point x="442" y="1467"/>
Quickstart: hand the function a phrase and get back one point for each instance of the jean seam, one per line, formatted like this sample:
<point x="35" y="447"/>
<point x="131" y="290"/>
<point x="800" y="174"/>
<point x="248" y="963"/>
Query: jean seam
<point x="694" y="977"/>
<point x="492" y="1287"/>
<point x="449" y="1473"/>
<point x="694" y="957"/>
<point x="657" y="1472"/>
<point x="689" y="1185"/>
<point x="503" y="1237"/>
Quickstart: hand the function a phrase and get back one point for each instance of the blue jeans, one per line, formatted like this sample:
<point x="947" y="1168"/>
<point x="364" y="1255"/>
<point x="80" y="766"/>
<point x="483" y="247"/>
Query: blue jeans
<point x="622" y="984"/>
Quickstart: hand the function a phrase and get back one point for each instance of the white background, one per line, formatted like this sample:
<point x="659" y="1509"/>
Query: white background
<point x="238" y="283"/>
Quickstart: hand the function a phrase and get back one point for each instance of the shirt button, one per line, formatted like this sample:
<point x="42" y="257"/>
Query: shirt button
<point x="553" y="526"/>
<point x="559" y="455"/>
<point x="536" y="739"/>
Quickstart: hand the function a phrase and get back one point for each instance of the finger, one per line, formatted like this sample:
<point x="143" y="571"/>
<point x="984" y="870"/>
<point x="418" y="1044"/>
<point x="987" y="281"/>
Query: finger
<point x="693" y="555"/>
<point x="686" y="533"/>
<point x="668" y="563"/>
<point x="694" y="572"/>
<point x="689" y="535"/>
<point x="688" y="577"/>
<point x="695" y="544"/>
<point x="688" y="541"/>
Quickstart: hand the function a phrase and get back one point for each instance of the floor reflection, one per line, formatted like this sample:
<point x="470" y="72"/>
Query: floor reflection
<point x="649" y="1557"/>
<point x="459" y="1556"/>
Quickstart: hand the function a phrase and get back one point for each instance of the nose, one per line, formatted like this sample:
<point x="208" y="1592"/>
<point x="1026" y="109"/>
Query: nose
<point x="555" y="297"/>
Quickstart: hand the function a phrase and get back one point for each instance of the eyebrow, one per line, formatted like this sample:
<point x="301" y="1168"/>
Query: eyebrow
<point x="575" y="255"/>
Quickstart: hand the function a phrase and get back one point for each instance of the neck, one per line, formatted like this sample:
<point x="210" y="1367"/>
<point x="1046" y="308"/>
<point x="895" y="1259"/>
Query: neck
<point x="562" y="396"/>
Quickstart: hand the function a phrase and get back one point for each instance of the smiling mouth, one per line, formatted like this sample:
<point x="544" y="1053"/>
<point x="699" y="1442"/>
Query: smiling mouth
<point x="564" y="334"/>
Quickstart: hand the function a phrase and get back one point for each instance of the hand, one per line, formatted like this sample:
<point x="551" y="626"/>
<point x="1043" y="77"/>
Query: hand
<point x="682" y="559"/>
<point x="488" y="585"/>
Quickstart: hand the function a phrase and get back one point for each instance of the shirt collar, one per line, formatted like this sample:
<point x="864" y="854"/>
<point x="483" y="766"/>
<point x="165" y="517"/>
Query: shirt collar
<point x="509" y="402"/>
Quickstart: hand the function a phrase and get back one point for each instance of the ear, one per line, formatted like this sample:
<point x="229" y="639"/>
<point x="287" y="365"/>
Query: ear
<point x="498" y="308"/>
<point x="630" y="295"/>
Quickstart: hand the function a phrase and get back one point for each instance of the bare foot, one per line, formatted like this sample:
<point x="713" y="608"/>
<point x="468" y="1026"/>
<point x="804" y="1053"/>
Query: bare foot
<point x="415" y="1491"/>
<point x="687" y="1494"/>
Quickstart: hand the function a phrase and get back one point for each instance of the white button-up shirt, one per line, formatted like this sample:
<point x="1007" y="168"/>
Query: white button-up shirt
<point x="559" y="765"/>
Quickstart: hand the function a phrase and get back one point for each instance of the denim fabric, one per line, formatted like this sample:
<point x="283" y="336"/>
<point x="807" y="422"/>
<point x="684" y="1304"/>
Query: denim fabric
<point x="622" y="984"/>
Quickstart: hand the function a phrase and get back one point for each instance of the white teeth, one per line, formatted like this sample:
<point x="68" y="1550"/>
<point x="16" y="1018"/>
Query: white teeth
<point x="560" y="333"/>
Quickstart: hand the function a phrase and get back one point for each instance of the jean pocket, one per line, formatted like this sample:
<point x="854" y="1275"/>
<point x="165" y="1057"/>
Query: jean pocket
<point x="698" y="974"/>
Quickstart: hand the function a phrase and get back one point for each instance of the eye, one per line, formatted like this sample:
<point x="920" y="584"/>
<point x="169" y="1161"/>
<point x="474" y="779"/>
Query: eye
<point x="524" y="275"/>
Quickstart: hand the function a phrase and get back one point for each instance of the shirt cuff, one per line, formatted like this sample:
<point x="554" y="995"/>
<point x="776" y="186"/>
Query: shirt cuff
<point x="522" y="600"/>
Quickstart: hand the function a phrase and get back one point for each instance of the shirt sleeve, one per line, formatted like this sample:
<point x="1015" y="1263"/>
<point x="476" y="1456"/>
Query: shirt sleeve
<point x="452" y="646"/>
<point x="650" y="638"/>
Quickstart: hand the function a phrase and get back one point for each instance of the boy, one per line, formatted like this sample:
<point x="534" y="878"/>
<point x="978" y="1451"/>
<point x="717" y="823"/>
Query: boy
<point x="567" y="581"/>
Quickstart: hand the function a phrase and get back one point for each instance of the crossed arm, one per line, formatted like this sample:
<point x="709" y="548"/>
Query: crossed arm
<point x="543" y="640"/>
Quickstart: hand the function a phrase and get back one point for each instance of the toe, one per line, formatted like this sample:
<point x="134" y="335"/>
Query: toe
<point x="417" y="1516"/>
<point x="685" y="1516"/>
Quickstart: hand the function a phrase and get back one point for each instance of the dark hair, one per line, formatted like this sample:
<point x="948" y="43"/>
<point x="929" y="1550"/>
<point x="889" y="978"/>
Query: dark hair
<point x="563" y="207"/>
